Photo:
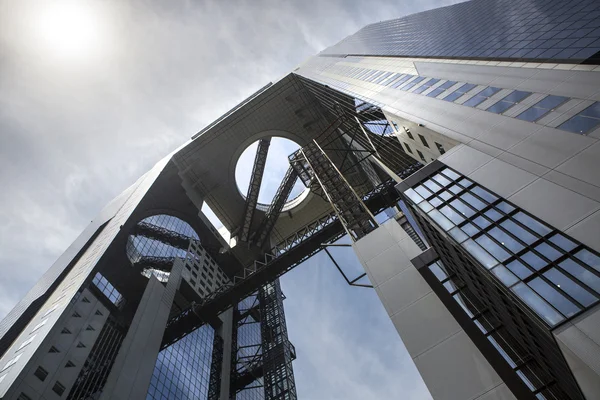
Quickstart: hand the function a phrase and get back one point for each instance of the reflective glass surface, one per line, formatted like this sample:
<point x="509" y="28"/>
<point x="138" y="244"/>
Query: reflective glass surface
<point x="501" y="29"/>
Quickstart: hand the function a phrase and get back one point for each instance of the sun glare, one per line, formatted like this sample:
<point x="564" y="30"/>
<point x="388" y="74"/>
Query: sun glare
<point x="69" y="29"/>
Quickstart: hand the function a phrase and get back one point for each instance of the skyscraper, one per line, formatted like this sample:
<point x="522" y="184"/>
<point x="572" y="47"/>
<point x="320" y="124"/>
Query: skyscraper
<point x="457" y="148"/>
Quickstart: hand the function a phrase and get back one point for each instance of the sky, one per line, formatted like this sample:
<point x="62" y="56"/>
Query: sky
<point x="93" y="93"/>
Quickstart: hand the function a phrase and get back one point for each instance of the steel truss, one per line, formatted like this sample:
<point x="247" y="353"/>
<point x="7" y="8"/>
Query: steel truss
<point x="283" y="192"/>
<point x="283" y="257"/>
<point x="258" y="170"/>
<point x="216" y="365"/>
<point x="161" y="234"/>
<point x="278" y="352"/>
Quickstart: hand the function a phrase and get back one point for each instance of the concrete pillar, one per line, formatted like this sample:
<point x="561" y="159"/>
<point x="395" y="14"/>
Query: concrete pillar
<point x="132" y="371"/>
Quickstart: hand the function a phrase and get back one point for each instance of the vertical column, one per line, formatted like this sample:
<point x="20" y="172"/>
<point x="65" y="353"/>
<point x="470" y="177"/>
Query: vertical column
<point x="132" y="371"/>
<point x="277" y="349"/>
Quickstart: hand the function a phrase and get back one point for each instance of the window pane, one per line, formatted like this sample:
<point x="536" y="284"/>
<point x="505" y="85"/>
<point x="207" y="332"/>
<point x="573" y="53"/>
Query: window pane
<point x="423" y="191"/>
<point x="505" y="276"/>
<point x="472" y="201"/>
<point x="450" y="174"/>
<point x="500" y="107"/>
<point x="442" y="180"/>
<point x="552" y="296"/>
<point x="579" y="124"/>
<point x="462" y="207"/>
<point x="519" y="269"/>
<point x="533" y="260"/>
<point x="548" y="251"/>
<point x="453" y="96"/>
<point x="516" y="96"/>
<point x="498" y="252"/>
<point x="563" y="242"/>
<point x="484" y="194"/>
<point x="582" y="274"/>
<point x="425" y="206"/>
<point x="458" y="235"/>
<point x="543" y="309"/>
<point x="518" y="231"/>
<point x="475" y="101"/>
<point x="571" y="288"/>
<point x="435" y="201"/>
<point x="442" y="221"/>
<point x="592" y="111"/>
<point x="506" y="240"/>
<point x="411" y="194"/>
<point x="488" y="92"/>
<point x="447" y="84"/>
<point x="431" y="185"/>
<point x="551" y="102"/>
<point x="470" y="229"/>
<point x="438" y="272"/>
<point x="532" y="224"/>
<point x="481" y="255"/>
<point x="454" y="216"/>
<point x="493" y="214"/>
<point x="532" y="114"/>
<point x="435" y="92"/>
<point x="589" y="259"/>
<point x="482" y="222"/>
<point x="504" y="206"/>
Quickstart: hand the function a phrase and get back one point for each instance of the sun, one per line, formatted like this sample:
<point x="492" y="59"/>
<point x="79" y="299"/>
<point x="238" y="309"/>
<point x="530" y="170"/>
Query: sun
<point x="69" y="29"/>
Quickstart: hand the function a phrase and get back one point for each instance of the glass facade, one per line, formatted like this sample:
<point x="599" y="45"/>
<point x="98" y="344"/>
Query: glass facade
<point x="553" y="30"/>
<point x="550" y="272"/>
<point x="182" y="370"/>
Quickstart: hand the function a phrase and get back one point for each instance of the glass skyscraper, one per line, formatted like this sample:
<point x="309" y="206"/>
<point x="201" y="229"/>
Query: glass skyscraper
<point x="457" y="149"/>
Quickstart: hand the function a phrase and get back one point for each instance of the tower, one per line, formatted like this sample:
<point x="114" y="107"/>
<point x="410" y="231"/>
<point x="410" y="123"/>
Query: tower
<point x="457" y="148"/>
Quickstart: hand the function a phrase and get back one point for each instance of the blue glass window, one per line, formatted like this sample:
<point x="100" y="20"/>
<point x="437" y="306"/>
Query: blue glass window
<point x="541" y="108"/>
<point x="447" y="84"/>
<point x="539" y="305"/>
<point x="585" y="121"/>
<point x="582" y="274"/>
<point x="413" y="83"/>
<point x="426" y="85"/>
<point x="552" y="296"/>
<point x="508" y="101"/>
<point x="561" y="281"/>
<point x="459" y="92"/>
<point x="533" y="260"/>
<point x="519" y="269"/>
<point x="506" y="240"/>
<point x="589" y="259"/>
<point x="481" y="96"/>
<point x="435" y="92"/>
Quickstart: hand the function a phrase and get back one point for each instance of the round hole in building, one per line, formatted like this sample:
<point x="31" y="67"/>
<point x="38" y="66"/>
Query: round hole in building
<point x="275" y="169"/>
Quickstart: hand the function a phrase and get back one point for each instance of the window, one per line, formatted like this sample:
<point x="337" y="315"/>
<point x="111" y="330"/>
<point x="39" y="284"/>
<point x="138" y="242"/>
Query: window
<point x="69" y="364"/>
<point x="98" y="312"/>
<point x="41" y="373"/>
<point x="408" y="133"/>
<point x="459" y="92"/>
<point x="85" y="300"/>
<point x="401" y="81"/>
<point x="53" y="350"/>
<point x="80" y="345"/>
<point x="108" y="289"/>
<point x="583" y="122"/>
<point x="421" y="155"/>
<point x="413" y="83"/>
<point x="90" y="328"/>
<point x="58" y="388"/>
<point x="426" y="85"/>
<point x="481" y="96"/>
<point x="408" y="148"/>
<point x="23" y="396"/>
<point x="76" y="315"/>
<point x="435" y="92"/>
<point x="508" y="101"/>
<point x="423" y="140"/>
<point x="440" y="148"/>
<point x="541" y="108"/>
<point x="66" y="331"/>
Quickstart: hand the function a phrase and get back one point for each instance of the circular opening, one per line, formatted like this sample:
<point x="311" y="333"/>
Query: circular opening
<point x="155" y="243"/>
<point x="276" y="166"/>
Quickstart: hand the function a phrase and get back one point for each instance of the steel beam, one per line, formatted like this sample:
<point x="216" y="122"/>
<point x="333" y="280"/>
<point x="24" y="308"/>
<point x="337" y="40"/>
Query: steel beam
<point x="283" y="192"/>
<point x="254" y="187"/>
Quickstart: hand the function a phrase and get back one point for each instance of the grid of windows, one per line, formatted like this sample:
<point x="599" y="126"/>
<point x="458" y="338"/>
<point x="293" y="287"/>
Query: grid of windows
<point x="582" y="123"/>
<point x="528" y="369"/>
<point x="182" y="370"/>
<point x="499" y="29"/>
<point x="108" y="290"/>
<point x="550" y="272"/>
